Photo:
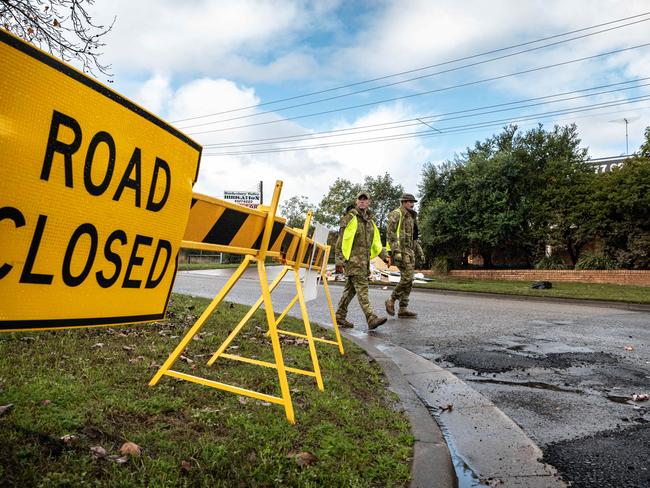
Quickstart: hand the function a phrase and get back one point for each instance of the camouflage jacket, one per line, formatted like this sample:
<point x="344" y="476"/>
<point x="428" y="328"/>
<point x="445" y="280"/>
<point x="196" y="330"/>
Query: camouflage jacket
<point x="406" y="242"/>
<point x="359" y="262"/>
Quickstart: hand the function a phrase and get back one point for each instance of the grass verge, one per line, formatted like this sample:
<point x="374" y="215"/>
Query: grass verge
<point x="74" y="390"/>
<point x="582" y="291"/>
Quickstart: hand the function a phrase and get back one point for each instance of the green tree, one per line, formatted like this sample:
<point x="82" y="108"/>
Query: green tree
<point x="562" y="192"/>
<point x="295" y="210"/>
<point x="441" y="229"/>
<point x="341" y="193"/>
<point x="479" y="200"/>
<point x="496" y="197"/>
<point x="384" y="194"/>
<point x="622" y="198"/>
<point x="64" y="28"/>
<point x="644" y="150"/>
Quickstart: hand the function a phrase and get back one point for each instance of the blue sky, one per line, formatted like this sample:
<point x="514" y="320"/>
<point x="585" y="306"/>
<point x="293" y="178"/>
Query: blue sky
<point x="188" y="60"/>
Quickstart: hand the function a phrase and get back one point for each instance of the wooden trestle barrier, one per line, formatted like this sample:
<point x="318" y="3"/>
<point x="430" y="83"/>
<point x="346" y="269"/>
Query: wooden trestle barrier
<point x="218" y="225"/>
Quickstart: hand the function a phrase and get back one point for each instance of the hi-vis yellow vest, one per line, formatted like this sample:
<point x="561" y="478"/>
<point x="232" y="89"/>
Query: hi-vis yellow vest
<point x="348" y="238"/>
<point x="399" y="225"/>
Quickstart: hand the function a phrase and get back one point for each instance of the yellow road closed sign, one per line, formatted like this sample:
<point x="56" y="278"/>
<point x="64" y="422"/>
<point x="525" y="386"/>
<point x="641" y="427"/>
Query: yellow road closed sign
<point x="95" y="193"/>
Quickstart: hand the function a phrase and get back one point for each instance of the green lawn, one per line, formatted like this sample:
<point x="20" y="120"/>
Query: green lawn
<point x="586" y="291"/>
<point x="91" y="385"/>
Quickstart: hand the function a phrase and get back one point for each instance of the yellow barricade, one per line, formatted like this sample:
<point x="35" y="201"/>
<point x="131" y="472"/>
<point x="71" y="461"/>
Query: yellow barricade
<point x="217" y="225"/>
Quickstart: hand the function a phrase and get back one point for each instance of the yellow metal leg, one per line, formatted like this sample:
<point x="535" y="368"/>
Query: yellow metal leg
<point x="199" y="323"/>
<point x="287" y="310"/>
<point x="246" y="318"/>
<point x="275" y="341"/>
<point x="310" y="338"/>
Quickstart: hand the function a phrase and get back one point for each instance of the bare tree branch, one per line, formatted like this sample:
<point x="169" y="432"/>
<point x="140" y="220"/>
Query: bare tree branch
<point x="64" y="28"/>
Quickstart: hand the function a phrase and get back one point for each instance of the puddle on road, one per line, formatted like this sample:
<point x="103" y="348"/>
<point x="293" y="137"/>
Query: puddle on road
<point x="529" y="384"/>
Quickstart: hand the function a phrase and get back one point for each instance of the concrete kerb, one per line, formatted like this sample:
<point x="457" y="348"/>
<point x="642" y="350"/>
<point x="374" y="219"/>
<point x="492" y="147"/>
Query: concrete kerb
<point x="495" y="448"/>
<point x="432" y="465"/>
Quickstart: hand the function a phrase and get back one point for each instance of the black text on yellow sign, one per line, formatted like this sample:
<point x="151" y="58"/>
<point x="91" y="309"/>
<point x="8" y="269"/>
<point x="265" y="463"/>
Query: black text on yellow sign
<point x="95" y="194"/>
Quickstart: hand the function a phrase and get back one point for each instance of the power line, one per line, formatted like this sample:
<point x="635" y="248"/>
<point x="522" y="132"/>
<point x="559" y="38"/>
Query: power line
<point x="422" y="68"/>
<point x="566" y="111"/>
<point x="443" y="131"/>
<point x="477" y="63"/>
<point x="428" y="92"/>
<point x="536" y="120"/>
<point x="418" y="120"/>
<point x="465" y="130"/>
<point x="355" y="129"/>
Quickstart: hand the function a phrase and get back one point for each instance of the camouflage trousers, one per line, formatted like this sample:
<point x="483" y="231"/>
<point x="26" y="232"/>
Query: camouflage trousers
<point x="355" y="285"/>
<point x="403" y="289"/>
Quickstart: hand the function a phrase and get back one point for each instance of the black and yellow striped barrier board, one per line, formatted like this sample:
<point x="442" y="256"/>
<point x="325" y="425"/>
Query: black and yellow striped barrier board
<point x="222" y="226"/>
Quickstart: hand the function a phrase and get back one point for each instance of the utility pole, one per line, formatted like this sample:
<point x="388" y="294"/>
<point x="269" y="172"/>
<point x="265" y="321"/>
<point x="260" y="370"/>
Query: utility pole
<point x="261" y="192"/>
<point x="627" y="151"/>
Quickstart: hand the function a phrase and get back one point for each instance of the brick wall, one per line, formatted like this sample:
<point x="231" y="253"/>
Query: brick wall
<point x="618" y="276"/>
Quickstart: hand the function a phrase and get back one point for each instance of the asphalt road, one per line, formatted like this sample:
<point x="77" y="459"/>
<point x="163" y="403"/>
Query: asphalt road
<point x="565" y="373"/>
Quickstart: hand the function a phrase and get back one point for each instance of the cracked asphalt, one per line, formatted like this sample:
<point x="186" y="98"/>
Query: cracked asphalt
<point x="565" y="373"/>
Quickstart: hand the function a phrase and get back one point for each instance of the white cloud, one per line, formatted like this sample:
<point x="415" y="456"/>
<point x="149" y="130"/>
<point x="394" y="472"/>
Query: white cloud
<point x="604" y="132"/>
<point x="409" y="34"/>
<point x="205" y="95"/>
<point x="154" y="93"/>
<point x="234" y="172"/>
<point x="207" y="37"/>
<point x="285" y="67"/>
<point x="403" y="159"/>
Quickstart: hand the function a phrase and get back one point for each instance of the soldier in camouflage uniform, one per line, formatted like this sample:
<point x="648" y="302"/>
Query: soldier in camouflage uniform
<point x="401" y="237"/>
<point x="357" y="243"/>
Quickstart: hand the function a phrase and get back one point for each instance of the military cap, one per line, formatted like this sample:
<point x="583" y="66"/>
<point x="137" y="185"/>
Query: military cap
<point x="408" y="197"/>
<point x="363" y="193"/>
